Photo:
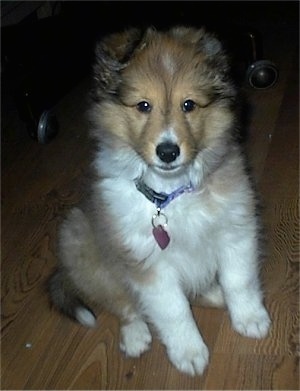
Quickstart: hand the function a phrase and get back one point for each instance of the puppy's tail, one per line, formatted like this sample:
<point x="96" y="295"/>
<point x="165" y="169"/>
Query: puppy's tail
<point x="65" y="298"/>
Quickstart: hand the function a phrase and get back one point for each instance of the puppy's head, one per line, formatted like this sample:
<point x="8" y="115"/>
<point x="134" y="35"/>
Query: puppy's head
<point x="167" y="95"/>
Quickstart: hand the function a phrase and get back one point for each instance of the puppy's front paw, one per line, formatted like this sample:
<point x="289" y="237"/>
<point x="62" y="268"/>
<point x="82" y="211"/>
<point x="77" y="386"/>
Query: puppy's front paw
<point x="189" y="357"/>
<point x="254" y="324"/>
<point x="135" y="338"/>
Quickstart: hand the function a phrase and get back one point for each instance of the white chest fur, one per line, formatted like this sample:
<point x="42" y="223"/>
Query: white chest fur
<point x="190" y="225"/>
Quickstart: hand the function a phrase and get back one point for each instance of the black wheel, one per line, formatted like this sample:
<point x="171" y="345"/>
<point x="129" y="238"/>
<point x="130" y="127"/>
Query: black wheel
<point x="262" y="74"/>
<point x="47" y="127"/>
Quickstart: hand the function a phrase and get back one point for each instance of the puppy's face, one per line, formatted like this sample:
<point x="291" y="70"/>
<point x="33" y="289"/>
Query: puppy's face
<point x="168" y="97"/>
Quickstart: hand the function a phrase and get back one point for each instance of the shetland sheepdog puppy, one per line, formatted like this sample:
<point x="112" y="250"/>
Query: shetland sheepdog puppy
<point x="170" y="216"/>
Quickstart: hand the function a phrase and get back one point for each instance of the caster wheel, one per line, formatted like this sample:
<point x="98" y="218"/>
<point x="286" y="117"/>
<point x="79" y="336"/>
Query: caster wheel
<point x="262" y="74"/>
<point x="47" y="127"/>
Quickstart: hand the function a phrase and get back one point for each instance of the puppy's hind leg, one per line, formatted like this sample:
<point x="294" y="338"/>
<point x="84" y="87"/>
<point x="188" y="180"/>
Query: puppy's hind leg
<point x="77" y="253"/>
<point x="83" y="277"/>
<point x="135" y="337"/>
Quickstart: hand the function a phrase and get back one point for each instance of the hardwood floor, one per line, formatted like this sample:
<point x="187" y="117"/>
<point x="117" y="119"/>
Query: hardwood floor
<point x="43" y="350"/>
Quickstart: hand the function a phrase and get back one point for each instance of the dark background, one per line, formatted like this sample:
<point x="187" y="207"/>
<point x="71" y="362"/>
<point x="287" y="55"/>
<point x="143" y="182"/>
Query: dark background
<point x="42" y="58"/>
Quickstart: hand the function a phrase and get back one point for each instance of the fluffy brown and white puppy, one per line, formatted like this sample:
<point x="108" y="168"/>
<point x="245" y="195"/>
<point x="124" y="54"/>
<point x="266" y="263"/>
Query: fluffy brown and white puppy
<point x="171" y="214"/>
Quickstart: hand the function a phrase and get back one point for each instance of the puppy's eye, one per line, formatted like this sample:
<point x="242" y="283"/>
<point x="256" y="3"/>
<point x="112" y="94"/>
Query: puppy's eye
<point x="188" y="105"/>
<point x="144" y="107"/>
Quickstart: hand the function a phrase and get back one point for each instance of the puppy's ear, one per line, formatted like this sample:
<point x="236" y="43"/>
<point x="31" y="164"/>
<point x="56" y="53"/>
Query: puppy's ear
<point x="204" y="42"/>
<point x="216" y="56"/>
<point x="112" y="55"/>
<point x="210" y="44"/>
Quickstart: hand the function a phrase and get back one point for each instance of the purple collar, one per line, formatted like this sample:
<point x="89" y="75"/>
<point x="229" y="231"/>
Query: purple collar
<point x="161" y="200"/>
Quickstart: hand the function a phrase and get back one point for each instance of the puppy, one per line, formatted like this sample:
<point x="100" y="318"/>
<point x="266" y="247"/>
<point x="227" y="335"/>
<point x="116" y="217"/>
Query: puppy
<point x="171" y="215"/>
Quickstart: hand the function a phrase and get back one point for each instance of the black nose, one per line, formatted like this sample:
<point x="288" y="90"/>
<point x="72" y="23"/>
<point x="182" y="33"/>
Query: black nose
<point x="167" y="152"/>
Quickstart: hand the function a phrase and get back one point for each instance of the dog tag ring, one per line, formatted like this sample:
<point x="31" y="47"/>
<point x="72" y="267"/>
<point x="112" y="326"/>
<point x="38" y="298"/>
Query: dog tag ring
<point x="160" y="234"/>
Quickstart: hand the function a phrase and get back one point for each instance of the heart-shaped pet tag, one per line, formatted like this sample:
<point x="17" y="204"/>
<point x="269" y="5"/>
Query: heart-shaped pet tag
<point x="161" y="236"/>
